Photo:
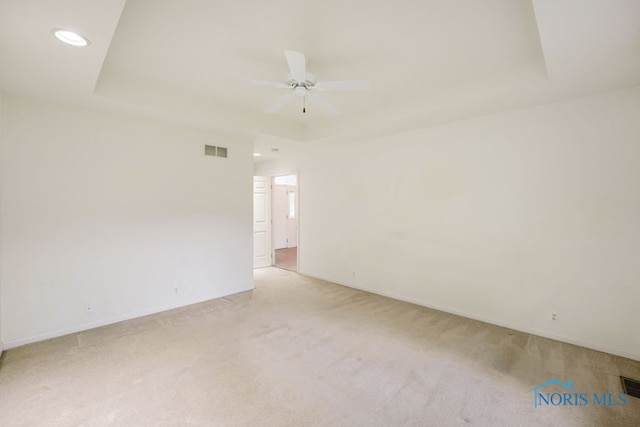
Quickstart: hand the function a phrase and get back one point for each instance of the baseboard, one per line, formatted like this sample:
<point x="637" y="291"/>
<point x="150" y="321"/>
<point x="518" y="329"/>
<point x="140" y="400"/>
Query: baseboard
<point x="468" y="315"/>
<point x="108" y="321"/>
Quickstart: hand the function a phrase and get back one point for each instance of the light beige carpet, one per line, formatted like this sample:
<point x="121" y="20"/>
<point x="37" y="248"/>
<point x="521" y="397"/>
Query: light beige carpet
<point x="302" y="352"/>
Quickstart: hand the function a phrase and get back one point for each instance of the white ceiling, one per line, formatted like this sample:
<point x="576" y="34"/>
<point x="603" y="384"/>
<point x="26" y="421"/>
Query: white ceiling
<point x="430" y="61"/>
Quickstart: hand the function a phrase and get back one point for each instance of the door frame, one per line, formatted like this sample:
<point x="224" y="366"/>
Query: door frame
<point x="297" y="202"/>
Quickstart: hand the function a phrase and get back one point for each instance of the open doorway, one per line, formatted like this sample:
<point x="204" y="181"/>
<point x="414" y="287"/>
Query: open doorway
<point x="285" y="221"/>
<point x="275" y="221"/>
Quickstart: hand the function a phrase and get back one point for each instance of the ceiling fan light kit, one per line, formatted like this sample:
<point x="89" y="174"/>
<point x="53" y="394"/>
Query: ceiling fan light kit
<point x="301" y="83"/>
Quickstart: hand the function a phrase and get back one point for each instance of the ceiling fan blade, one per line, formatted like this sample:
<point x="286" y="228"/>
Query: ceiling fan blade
<point x="344" y="85"/>
<point x="279" y="103"/>
<point x="324" y="104"/>
<point x="297" y="65"/>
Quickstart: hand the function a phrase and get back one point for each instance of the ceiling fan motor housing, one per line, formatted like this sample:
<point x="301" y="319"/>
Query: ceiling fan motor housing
<point x="300" y="90"/>
<point x="308" y="83"/>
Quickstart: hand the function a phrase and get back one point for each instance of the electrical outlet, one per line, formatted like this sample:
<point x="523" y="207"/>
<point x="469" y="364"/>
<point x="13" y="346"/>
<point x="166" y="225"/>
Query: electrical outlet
<point x="353" y="274"/>
<point x="88" y="309"/>
<point x="175" y="291"/>
<point x="555" y="317"/>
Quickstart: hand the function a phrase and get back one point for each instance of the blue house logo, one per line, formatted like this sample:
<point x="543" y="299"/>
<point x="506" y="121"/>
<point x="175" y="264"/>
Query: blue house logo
<point x="570" y="397"/>
<point x="540" y="398"/>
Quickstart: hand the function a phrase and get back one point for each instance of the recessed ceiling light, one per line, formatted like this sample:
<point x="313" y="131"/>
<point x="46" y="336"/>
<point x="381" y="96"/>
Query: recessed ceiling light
<point x="69" y="37"/>
<point x="256" y="154"/>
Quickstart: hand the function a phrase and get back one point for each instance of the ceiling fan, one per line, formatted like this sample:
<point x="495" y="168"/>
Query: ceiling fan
<point x="302" y="84"/>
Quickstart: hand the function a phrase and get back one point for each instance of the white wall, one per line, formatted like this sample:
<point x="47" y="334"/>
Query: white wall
<point x="503" y="218"/>
<point x="1" y="135"/>
<point x="116" y="213"/>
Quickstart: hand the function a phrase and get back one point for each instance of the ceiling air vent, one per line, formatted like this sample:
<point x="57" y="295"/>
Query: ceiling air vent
<point x="212" y="150"/>
<point x="631" y="387"/>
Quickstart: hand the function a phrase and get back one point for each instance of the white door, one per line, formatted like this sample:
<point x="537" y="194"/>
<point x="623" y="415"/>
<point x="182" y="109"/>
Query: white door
<point x="280" y="216"/>
<point x="285" y="221"/>
<point x="261" y="222"/>
<point x="292" y="217"/>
